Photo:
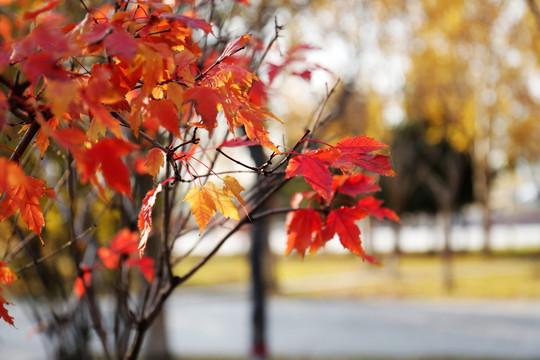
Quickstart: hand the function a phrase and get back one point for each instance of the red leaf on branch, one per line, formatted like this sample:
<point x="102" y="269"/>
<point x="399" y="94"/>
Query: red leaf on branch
<point x="121" y="44"/>
<point x="236" y="142"/>
<point x="354" y="185"/>
<point x="4" y="315"/>
<point x="373" y="206"/>
<point x="43" y="64"/>
<point x="167" y="115"/>
<point x="304" y="231"/>
<point x="124" y="243"/>
<point x="145" y="217"/>
<point x="207" y="103"/>
<point x="83" y="281"/>
<point x="234" y="46"/>
<point x="145" y="265"/>
<point x="191" y="22"/>
<point x="314" y="166"/>
<point x="355" y="152"/>
<point x="107" y="155"/>
<point x="342" y="222"/>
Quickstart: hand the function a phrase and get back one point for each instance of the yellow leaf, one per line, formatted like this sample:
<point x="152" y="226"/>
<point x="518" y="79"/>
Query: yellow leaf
<point x="95" y="130"/>
<point x="223" y="202"/>
<point x="202" y="206"/>
<point x="232" y="187"/>
<point x="154" y="161"/>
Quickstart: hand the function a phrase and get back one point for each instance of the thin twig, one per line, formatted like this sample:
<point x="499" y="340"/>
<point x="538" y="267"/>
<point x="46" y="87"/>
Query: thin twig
<point x="148" y="138"/>
<point x="277" y="29"/>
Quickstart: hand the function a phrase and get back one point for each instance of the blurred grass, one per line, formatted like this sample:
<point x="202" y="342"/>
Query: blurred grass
<point x="506" y="275"/>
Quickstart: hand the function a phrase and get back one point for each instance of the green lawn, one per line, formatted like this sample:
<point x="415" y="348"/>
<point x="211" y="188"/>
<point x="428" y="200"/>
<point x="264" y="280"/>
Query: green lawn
<point x="412" y="276"/>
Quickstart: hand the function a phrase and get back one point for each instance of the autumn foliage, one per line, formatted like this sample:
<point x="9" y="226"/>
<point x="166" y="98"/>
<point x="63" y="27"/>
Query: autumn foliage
<point x="134" y="90"/>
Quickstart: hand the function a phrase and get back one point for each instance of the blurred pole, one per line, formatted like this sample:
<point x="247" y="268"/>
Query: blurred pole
<point x="259" y="260"/>
<point x="448" y="280"/>
<point x="396" y="253"/>
<point x="258" y="257"/>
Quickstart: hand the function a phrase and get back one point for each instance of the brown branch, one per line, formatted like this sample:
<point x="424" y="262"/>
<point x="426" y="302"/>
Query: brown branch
<point x="533" y="6"/>
<point x="25" y="141"/>
<point x="236" y="161"/>
<point x="277" y="29"/>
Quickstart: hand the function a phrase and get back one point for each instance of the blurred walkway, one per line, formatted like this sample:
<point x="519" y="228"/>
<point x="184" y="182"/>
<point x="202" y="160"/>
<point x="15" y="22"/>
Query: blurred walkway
<point x="215" y="322"/>
<point x="203" y="323"/>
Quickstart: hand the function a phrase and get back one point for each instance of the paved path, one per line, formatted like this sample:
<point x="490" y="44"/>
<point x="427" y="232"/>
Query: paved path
<point x="217" y="323"/>
<point x="330" y="328"/>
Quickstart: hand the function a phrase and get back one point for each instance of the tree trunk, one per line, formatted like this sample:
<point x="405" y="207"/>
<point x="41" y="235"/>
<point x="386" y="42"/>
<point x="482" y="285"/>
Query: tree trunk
<point x="258" y="257"/>
<point x="446" y="254"/>
<point x="156" y="341"/>
<point x="396" y="253"/>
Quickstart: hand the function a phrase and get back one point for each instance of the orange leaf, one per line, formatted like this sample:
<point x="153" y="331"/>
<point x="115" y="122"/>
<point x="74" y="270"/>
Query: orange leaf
<point x="253" y="124"/>
<point x="45" y="131"/>
<point x="22" y="193"/>
<point x="232" y="187"/>
<point x="154" y="161"/>
<point x="31" y="15"/>
<point x="7" y="276"/>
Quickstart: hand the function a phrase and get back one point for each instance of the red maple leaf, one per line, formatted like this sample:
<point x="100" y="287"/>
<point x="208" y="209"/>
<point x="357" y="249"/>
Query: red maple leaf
<point x="234" y="46"/>
<point x="4" y="315"/>
<point x="82" y="281"/>
<point x="165" y="112"/>
<point x="373" y="206"/>
<point x="43" y="64"/>
<point x="123" y="244"/>
<point x="356" y="152"/>
<point x="304" y="231"/>
<point x="145" y="217"/>
<point x="240" y="141"/>
<point x="207" y="102"/>
<point x="314" y="167"/>
<point x="106" y="155"/>
<point x="190" y="22"/>
<point x="342" y="222"/>
<point x="354" y="185"/>
<point x="145" y="265"/>
<point x="121" y="44"/>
